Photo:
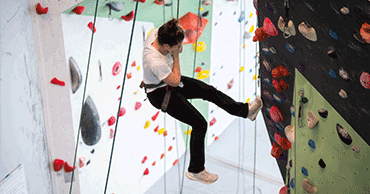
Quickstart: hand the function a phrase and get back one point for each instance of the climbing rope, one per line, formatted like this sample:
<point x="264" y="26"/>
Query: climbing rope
<point x="83" y="98"/>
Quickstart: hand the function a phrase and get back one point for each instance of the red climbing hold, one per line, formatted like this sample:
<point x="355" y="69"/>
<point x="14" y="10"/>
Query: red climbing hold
<point x="230" y="84"/>
<point x="68" y="168"/>
<point x="118" y="87"/>
<point x="283" y="190"/>
<point x="276" y="114"/>
<point x="165" y="133"/>
<point x="145" y="158"/>
<point x="216" y="138"/>
<point x="57" y="82"/>
<point x="170" y="148"/>
<point x="283" y="70"/>
<point x="111" y="121"/>
<point x="111" y="133"/>
<point x="153" y="163"/>
<point x="137" y="105"/>
<point x="276" y="151"/>
<point x="162" y="156"/>
<point x="58" y="164"/>
<point x="79" y="9"/>
<point x="146" y="172"/>
<point x="213" y="121"/>
<point x="129" y="75"/>
<point x="133" y="64"/>
<point x="198" y="69"/>
<point x="91" y="26"/>
<point x="174" y="163"/>
<point x="277" y="138"/>
<point x="365" y="80"/>
<point x="129" y="16"/>
<point x="189" y="23"/>
<point x="160" y="2"/>
<point x="279" y="86"/>
<point x="269" y="27"/>
<point x="285" y="144"/>
<point x="155" y="116"/>
<point x="40" y="10"/>
<point x="156" y="129"/>
<point x="122" y="112"/>
<point x="117" y="67"/>
<point x="141" y="1"/>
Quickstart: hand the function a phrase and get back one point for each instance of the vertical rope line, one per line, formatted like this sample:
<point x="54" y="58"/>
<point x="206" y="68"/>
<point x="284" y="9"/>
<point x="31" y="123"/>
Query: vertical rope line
<point x="165" y="155"/>
<point x="83" y="98"/>
<point x="120" y="101"/>
<point x="244" y="59"/>
<point x="240" y="90"/>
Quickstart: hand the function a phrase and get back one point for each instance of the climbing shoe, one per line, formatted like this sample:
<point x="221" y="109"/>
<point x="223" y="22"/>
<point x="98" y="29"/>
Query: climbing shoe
<point x="203" y="177"/>
<point x="254" y="108"/>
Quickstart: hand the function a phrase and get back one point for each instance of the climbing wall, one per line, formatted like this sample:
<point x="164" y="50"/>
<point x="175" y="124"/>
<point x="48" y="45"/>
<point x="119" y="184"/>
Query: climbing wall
<point x="330" y="53"/>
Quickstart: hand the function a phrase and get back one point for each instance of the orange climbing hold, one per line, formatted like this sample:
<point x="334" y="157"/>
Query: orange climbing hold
<point x="170" y="148"/>
<point x="153" y="163"/>
<point x="146" y="172"/>
<point x="162" y="156"/>
<point x="198" y="69"/>
<point x="40" y="10"/>
<point x="129" y="75"/>
<point x="133" y="64"/>
<point x="165" y="133"/>
<point x="276" y="151"/>
<point x="57" y="82"/>
<point x="189" y="23"/>
<point x="216" y="138"/>
<point x="174" y="163"/>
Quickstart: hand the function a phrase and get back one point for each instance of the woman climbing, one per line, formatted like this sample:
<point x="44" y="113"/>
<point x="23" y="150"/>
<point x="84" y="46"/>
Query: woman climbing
<point x="168" y="90"/>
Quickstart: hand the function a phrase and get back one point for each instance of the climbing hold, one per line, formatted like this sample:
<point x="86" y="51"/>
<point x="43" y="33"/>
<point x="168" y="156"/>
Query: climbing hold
<point x="205" y="14"/>
<point x="156" y="129"/>
<point x="248" y="100"/>
<point x="276" y="114"/>
<point x="58" y="164"/>
<point x="290" y="30"/>
<point x="68" y="168"/>
<point x="206" y="2"/>
<point x="137" y="105"/>
<point x="268" y="95"/>
<point x="203" y="63"/>
<point x="117" y="67"/>
<point x="301" y="67"/>
<point x="136" y="92"/>
<point x="88" y="162"/>
<point x="243" y="45"/>
<point x="153" y="163"/>
<point x="111" y="121"/>
<point x="275" y="150"/>
<point x="57" y="82"/>
<point x="285" y="143"/>
<point x="91" y="26"/>
<point x="290" y="48"/>
<point x="332" y="53"/>
<point x="188" y="132"/>
<point x="198" y="69"/>
<point x="333" y="34"/>
<point x="161" y="131"/>
<point x="230" y="84"/>
<point x="147" y="124"/>
<point x="129" y="16"/>
<point x="118" y="87"/>
<point x="277" y="138"/>
<point x="175" y="162"/>
<point x="283" y="190"/>
<point x="76" y="76"/>
<point x="203" y="74"/>
<point x="165" y="133"/>
<point x="355" y="149"/>
<point x="322" y="163"/>
<point x="277" y="98"/>
<point x="365" y="80"/>
<point x="40" y="10"/>
<point x="115" y="6"/>
<point x="267" y="81"/>
<point x="279" y="86"/>
<point x="332" y="74"/>
<point x="267" y="65"/>
<point x="269" y="27"/>
<point x="308" y="187"/>
<point x="155" y="116"/>
<point x="292" y="183"/>
<point x="160" y="2"/>
<point x="272" y="50"/>
<point x="216" y="138"/>
<point x="304" y="100"/>
<point x="307" y="32"/>
<point x="90" y="123"/>
<point x="323" y="113"/>
<point x="122" y="111"/>
<point x="133" y="64"/>
<point x="251" y="29"/>
<point x="200" y="46"/>
<point x="343" y="74"/>
<point x="170" y="148"/>
<point x="241" y="69"/>
<point x="289" y="132"/>
<point x="344" y="10"/>
<point x="358" y="37"/>
<point x="129" y="75"/>
<point x="162" y="156"/>
<point x="92" y="151"/>
<point x="78" y="10"/>
<point x="343" y="135"/>
<point x="138" y="68"/>
<point x="266" y="51"/>
<point x="213" y="121"/>
<point x="111" y="133"/>
<point x="82" y="161"/>
<point x="342" y="93"/>
<point x="145" y="158"/>
<point x="304" y="171"/>
<point x="312" y="144"/>
<point x="250" y="15"/>
<point x="255" y="77"/>
<point x="269" y="7"/>
<point x="250" y="71"/>
<point x="312" y="119"/>
<point x="241" y="17"/>
<point x="146" y="172"/>
<point x="365" y="32"/>
<point x="292" y="110"/>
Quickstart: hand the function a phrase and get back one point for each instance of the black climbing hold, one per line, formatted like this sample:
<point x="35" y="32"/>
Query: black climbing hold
<point x="76" y="76"/>
<point x="290" y="163"/>
<point x="92" y="151"/>
<point x="88" y="162"/>
<point x="205" y="14"/>
<point x="234" y="12"/>
<point x="90" y="123"/>
<point x="216" y="24"/>
<point x="213" y="135"/>
<point x="322" y="163"/>
<point x="304" y="100"/>
<point x="332" y="54"/>
<point x="323" y="113"/>
<point x="168" y="4"/>
<point x="173" y="138"/>
<point x="343" y="135"/>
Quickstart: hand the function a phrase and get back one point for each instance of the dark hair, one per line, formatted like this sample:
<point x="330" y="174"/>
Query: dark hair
<point x="171" y="33"/>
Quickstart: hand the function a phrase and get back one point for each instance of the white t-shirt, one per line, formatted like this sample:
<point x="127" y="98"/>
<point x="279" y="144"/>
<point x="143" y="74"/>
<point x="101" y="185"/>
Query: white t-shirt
<point x="156" y="66"/>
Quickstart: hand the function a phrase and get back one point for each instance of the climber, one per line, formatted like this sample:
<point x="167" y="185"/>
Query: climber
<point x="162" y="75"/>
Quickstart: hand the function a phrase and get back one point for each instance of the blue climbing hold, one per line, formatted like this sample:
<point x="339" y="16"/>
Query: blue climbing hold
<point x="292" y="183"/>
<point x="332" y="74"/>
<point x="277" y="98"/>
<point x="290" y="48"/>
<point x="242" y="16"/>
<point x="292" y="110"/>
<point x="250" y="71"/>
<point x="267" y="81"/>
<point x="311" y="143"/>
<point x="266" y="51"/>
<point x="281" y="129"/>
<point x="333" y="34"/>
<point x="304" y="171"/>
<point x="203" y="63"/>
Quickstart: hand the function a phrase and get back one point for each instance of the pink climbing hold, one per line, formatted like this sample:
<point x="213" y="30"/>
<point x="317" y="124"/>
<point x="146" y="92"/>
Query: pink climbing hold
<point x="111" y="121"/>
<point x="137" y="105"/>
<point x="365" y="80"/>
<point x="213" y="121"/>
<point x="230" y="84"/>
<point x="277" y="138"/>
<point x="156" y="129"/>
<point x="117" y="67"/>
<point x="82" y="161"/>
<point x="146" y="172"/>
<point x="145" y="158"/>
<point x="269" y="27"/>
<point x="111" y="133"/>
<point x="122" y="111"/>
<point x="155" y="116"/>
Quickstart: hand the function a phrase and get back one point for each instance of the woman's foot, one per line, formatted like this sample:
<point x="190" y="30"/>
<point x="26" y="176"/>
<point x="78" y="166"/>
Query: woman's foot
<point x="254" y="108"/>
<point x="203" y="177"/>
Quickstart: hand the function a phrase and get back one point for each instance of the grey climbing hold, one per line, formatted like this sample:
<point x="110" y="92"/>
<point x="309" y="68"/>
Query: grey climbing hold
<point x="343" y="93"/>
<point x="115" y="6"/>
<point x="343" y="135"/>
<point x="344" y="10"/>
<point x="90" y="123"/>
<point x="343" y="74"/>
<point x="76" y="76"/>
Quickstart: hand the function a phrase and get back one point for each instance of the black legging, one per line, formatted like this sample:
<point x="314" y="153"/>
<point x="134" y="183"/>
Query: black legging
<point x="184" y="111"/>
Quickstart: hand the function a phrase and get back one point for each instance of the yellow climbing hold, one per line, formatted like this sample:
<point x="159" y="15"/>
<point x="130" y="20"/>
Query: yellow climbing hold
<point x="255" y="77"/>
<point x="243" y="45"/>
<point x="251" y="15"/>
<point x="188" y="132"/>
<point x="203" y="74"/>
<point x="138" y="68"/>
<point x="249" y="99"/>
<point x="147" y="123"/>
<point x="161" y="131"/>
<point x="150" y="31"/>
<point x="201" y="9"/>
<point x="136" y="92"/>
<point x="200" y="47"/>
<point x="241" y="69"/>
<point x="251" y="30"/>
